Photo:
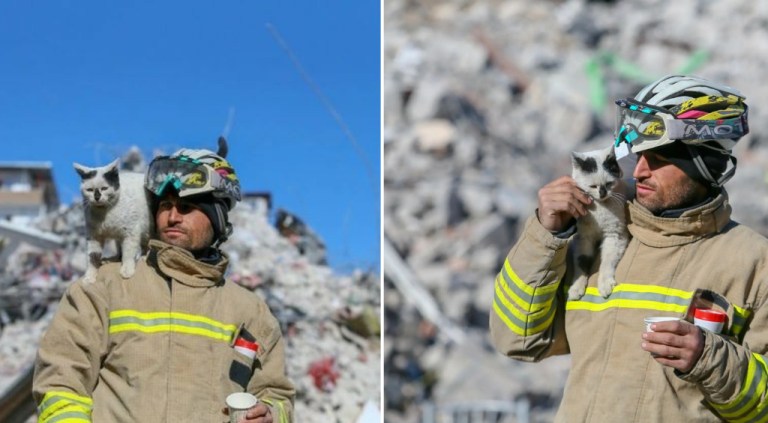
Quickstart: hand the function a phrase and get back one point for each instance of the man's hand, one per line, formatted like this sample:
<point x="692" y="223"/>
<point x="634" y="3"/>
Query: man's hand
<point x="560" y="201"/>
<point x="676" y="344"/>
<point x="260" y="413"/>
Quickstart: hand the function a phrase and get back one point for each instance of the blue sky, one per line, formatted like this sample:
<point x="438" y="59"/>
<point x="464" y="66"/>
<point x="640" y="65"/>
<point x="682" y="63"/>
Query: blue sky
<point x="82" y="81"/>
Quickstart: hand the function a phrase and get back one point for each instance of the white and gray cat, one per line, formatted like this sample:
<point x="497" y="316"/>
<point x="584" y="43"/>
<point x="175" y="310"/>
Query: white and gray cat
<point x="598" y="174"/>
<point x="116" y="208"/>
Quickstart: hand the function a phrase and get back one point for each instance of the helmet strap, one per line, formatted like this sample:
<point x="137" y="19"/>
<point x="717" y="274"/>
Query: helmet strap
<point x="704" y="170"/>
<point x="223" y="227"/>
<point x="223" y="236"/>
<point x="727" y="175"/>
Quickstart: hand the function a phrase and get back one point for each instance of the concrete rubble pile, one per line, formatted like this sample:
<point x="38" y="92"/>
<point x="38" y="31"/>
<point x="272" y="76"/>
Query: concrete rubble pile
<point x="330" y="321"/>
<point x="484" y="101"/>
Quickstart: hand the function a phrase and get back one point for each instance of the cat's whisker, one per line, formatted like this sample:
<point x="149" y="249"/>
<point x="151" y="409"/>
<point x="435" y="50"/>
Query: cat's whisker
<point x="618" y="198"/>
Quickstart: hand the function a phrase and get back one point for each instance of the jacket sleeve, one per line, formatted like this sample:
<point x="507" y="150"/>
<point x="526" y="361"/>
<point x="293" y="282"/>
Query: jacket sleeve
<point x="527" y="316"/>
<point x="734" y="376"/>
<point x="69" y="355"/>
<point x="269" y="382"/>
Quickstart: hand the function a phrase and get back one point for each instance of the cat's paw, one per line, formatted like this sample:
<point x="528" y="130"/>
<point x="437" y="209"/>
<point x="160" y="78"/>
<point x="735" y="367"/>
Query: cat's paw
<point x="605" y="285"/>
<point x="127" y="269"/>
<point x="578" y="288"/>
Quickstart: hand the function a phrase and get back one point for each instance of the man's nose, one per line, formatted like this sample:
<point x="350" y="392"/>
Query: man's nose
<point x="642" y="170"/>
<point x="174" y="215"/>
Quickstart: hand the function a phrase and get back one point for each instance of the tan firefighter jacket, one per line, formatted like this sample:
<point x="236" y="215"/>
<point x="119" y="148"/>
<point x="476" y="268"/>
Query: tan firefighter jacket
<point x="158" y="347"/>
<point x="703" y="258"/>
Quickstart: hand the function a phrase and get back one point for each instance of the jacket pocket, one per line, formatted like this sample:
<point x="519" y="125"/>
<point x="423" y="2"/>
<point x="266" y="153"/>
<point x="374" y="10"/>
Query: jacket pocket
<point x="230" y="371"/>
<point x="240" y="369"/>
<point x="737" y="317"/>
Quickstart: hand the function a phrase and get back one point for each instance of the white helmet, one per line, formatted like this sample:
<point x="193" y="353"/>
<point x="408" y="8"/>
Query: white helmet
<point x="193" y="172"/>
<point x="689" y="109"/>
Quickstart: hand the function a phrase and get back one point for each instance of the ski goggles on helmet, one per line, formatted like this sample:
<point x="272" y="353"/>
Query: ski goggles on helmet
<point x="644" y="126"/>
<point x="187" y="177"/>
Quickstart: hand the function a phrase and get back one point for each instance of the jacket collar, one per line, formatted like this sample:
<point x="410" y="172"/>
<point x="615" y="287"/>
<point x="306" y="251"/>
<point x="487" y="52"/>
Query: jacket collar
<point x="692" y="225"/>
<point x="180" y="265"/>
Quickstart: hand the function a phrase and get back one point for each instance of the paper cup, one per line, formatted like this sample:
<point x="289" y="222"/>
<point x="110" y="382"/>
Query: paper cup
<point x="239" y="403"/>
<point x="656" y="319"/>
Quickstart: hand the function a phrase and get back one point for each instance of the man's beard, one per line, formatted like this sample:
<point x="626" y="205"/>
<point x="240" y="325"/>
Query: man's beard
<point x="681" y="196"/>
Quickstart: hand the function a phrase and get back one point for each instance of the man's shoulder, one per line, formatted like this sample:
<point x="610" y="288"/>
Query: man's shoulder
<point x="109" y="282"/>
<point x="242" y="295"/>
<point x="249" y="306"/>
<point x="735" y="229"/>
<point x="742" y="237"/>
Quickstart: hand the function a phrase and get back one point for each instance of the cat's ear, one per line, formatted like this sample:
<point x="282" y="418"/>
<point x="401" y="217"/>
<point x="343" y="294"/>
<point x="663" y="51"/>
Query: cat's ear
<point x="83" y="171"/>
<point x="611" y="165"/>
<point x="577" y="159"/>
<point x="112" y="173"/>
<point x="583" y="162"/>
<point x="112" y="167"/>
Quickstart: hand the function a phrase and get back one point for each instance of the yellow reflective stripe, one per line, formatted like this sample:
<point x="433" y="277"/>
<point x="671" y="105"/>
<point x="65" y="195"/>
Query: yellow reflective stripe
<point x="521" y="319"/>
<point x="519" y="323"/>
<point x="618" y="303"/>
<point x="127" y="327"/>
<point x="529" y="290"/>
<point x="499" y="297"/>
<point x="753" y="390"/>
<point x="283" y="414"/>
<point x="525" y="304"/>
<point x="746" y="398"/>
<point x="740" y="317"/>
<point x="131" y="320"/>
<point x="662" y="290"/>
<point x="650" y="297"/>
<point x="56" y="403"/>
<point x="647" y="297"/>
<point x="85" y="401"/>
<point x="73" y="417"/>
<point x="523" y="301"/>
<point x="755" y="393"/>
<point x="63" y="412"/>
<point x="280" y="409"/>
<point x="173" y="315"/>
<point x="760" y="412"/>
